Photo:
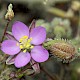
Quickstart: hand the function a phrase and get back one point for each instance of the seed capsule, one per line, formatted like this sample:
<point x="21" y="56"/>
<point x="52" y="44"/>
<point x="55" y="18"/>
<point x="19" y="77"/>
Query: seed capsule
<point x="63" y="50"/>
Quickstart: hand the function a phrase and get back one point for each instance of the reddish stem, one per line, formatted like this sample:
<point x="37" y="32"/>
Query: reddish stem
<point x="5" y="31"/>
<point x="50" y="76"/>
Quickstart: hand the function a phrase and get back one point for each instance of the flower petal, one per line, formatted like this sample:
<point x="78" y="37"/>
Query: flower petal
<point x="19" y="30"/>
<point x="10" y="47"/>
<point x="22" y="59"/>
<point x="39" y="54"/>
<point x="38" y="35"/>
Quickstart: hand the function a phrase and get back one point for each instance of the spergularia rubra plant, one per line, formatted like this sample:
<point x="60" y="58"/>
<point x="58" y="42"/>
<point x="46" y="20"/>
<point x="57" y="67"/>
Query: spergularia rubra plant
<point x="26" y="44"/>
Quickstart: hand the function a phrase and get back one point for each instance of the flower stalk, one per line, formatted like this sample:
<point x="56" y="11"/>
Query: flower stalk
<point x="49" y="75"/>
<point x="8" y="16"/>
<point x="5" y="31"/>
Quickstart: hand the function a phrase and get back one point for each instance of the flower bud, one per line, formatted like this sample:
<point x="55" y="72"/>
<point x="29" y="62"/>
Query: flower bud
<point x="10" y="14"/>
<point x="75" y="5"/>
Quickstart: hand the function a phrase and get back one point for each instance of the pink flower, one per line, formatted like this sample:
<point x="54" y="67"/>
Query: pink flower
<point x="26" y="44"/>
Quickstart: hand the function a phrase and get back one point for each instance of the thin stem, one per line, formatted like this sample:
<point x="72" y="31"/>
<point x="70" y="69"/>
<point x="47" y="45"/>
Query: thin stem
<point x="66" y="70"/>
<point x="5" y="31"/>
<point x="78" y="32"/>
<point x="50" y="76"/>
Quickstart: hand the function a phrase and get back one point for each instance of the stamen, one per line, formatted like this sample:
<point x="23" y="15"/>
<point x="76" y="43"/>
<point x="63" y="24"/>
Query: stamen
<point x="32" y="47"/>
<point x="21" y="47"/>
<point x="24" y="50"/>
<point x="21" y="40"/>
<point x="29" y="40"/>
<point x="25" y="37"/>
<point x="25" y="43"/>
<point x="28" y="45"/>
